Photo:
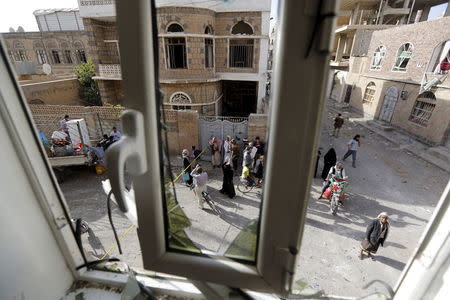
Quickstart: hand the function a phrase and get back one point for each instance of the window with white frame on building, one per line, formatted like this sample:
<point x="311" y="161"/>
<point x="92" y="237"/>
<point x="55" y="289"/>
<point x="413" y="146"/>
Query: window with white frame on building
<point x="68" y="57"/>
<point x="441" y="58"/>
<point x="176" y="49"/>
<point x="20" y="55"/>
<point x="55" y="57"/>
<point x="378" y="57"/>
<point x="241" y="50"/>
<point x="403" y="56"/>
<point x="41" y="56"/>
<point x="369" y="93"/>
<point x="423" y="108"/>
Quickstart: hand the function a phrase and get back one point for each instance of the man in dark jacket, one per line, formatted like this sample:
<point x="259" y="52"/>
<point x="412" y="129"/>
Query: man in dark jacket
<point x="376" y="235"/>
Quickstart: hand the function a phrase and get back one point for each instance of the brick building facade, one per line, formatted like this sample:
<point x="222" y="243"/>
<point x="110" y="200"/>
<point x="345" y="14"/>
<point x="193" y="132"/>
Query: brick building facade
<point x="213" y="61"/>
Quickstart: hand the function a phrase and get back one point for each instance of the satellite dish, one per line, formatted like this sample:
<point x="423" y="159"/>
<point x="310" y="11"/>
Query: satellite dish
<point x="20" y="29"/>
<point x="11" y="29"/>
<point x="47" y="69"/>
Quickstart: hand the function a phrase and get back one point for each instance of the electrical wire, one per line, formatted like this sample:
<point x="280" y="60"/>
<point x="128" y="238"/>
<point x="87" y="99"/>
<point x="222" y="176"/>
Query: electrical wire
<point x="108" y="204"/>
<point x="90" y="264"/>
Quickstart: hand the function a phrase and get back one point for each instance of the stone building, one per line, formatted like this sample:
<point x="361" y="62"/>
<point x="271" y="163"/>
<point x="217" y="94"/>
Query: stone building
<point x="399" y="74"/>
<point x="212" y="55"/>
<point x="61" y="42"/>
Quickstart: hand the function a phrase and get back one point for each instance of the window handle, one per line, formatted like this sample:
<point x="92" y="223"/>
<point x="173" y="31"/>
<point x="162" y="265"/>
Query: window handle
<point x="129" y="151"/>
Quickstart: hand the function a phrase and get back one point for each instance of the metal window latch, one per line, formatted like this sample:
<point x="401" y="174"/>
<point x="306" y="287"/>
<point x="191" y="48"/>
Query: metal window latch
<point x="128" y="152"/>
<point x="286" y="257"/>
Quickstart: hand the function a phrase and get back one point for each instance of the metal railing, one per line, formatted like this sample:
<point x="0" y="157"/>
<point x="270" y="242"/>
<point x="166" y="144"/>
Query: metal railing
<point x="241" y="53"/>
<point x="110" y="71"/>
<point x="96" y="2"/>
<point x="222" y="118"/>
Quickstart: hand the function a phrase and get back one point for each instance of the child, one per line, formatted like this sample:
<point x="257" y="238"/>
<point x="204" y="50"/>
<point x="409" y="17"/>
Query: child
<point x="246" y="174"/>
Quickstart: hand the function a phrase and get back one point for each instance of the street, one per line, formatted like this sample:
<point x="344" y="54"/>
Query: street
<point x="385" y="179"/>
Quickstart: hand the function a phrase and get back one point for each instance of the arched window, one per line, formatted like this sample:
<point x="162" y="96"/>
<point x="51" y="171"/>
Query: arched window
<point x="80" y="54"/>
<point x="440" y="61"/>
<point x="241" y="28"/>
<point x="180" y="98"/>
<point x="378" y="57"/>
<point x="175" y="28"/>
<point x="369" y="92"/>
<point x="19" y="53"/>
<point x="176" y="49"/>
<point x="209" y="29"/>
<point x="241" y="50"/>
<point x="423" y="108"/>
<point x="403" y="56"/>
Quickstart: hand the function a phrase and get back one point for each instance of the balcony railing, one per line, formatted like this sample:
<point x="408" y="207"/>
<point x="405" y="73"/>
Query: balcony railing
<point x="110" y="71"/>
<point x="96" y="2"/>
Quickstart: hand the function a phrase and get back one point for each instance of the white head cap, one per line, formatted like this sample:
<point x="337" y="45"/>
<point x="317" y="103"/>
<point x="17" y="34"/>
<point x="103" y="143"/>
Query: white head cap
<point x="383" y="214"/>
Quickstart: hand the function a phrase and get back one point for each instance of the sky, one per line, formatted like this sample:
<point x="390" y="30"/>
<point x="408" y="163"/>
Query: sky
<point x="437" y="11"/>
<point x="15" y="13"/>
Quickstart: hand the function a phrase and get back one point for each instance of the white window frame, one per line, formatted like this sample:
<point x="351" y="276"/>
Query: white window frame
<point x="421" y="277"/>
<point x="278" y="243"/>
<point x="399" y="59"/>
<point x="380" y="53"/>
<point x="20" y="126"/>
<point x="369" y="92"/>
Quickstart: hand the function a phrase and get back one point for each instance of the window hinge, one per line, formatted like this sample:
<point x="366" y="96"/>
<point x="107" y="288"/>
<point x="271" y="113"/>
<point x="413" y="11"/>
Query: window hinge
<point x="286" y="257"/>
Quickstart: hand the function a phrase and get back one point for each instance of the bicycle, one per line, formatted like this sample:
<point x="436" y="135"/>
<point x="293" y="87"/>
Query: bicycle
<point x="244" y="187"/>
<point x="207" y="199"/>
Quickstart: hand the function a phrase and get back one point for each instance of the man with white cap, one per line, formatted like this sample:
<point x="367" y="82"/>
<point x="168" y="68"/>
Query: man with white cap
<point x="376" y="235"/>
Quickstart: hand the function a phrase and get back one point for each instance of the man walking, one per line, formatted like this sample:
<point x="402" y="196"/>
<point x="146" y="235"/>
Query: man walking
<point x="353" y="146"/>
<point x="376" y="235"/>
<point x="248" y="159"/>
<point x="115" y="134"/>
<point x="200" y="184"/>
<point x="338" y="122"/>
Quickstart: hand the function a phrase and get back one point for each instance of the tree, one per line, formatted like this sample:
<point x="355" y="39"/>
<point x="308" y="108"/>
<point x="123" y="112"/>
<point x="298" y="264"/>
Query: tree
<point x="88" y="90"/>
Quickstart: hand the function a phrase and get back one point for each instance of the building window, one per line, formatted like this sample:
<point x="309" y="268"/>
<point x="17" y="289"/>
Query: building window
<point x="209" y="30"/>
<point x="68" y="57"/>
<point x="209" y="53"/>
<point x="176" y="53"/>
<point x="81" y="56"/>
<point x="423" y="108"/>
<point x="241" y="50"/>
<point x="181" y="107"/>
<point x="242" y="28"/>
<point x="440" y="61"/>
<point x="180" y="98"/>
<point x="369" y="93"/>
<point x="19" y="55"/>
<point x="11" y="55"/>
<point x="55" y="57"/>
<point x="41" y="56"/>
<point x="241" y="53"/>
<point x="175" y="28"/>
<point x="378" y="57"/>
<point x="176" y="49"/>
<point x="403" y="56"/>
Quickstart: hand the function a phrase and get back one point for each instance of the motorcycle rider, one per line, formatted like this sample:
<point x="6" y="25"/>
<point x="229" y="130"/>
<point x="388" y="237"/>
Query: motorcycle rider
<point x="337" y="172"/>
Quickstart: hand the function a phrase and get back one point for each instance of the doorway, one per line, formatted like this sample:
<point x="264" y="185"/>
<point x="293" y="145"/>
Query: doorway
<point x="390" y="99"/>
<point x="239" y="98"/>
<point x="348" y="93"/>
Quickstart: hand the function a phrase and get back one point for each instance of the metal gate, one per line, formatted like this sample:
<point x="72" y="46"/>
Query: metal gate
<point x="390" y="99"/>
<point x="220" y="127"/>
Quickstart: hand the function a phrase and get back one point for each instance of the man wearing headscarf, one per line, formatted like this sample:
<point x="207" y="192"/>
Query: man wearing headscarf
<point x="376" y="235"/>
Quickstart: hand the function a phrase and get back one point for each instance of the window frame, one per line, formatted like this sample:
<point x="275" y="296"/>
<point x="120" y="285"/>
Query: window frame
<point x="22" y="130"/>
<point x="41" y="56"/>
<point x="371" y="86"/>
<point x="211" y="46"/>
<point x="380" y="49"/>
<point x="68" y="56"/>
<point x="168" y="44"/>
<point x="414" y="116"/>
<point x="398" y="62"/>
<point x="278" y="244"/>
<point x="230" y="53"/>
<point x="56" y="57"/>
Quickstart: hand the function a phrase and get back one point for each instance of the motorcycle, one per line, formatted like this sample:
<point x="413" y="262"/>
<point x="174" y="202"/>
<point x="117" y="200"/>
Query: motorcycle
<point x="335" y="193"/>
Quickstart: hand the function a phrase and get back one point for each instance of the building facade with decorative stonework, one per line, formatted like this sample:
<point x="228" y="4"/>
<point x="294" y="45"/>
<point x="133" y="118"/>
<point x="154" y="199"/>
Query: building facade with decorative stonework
<point x="212" y="55"/>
